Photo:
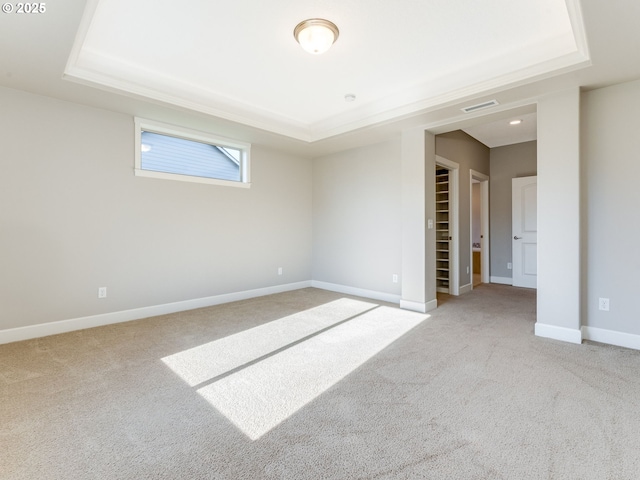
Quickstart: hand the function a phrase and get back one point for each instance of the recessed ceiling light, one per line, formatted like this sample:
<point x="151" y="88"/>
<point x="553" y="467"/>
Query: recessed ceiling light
<point x="316" y="35"/>
<point x="349" y="97"/>
<point x="515" y="122"/>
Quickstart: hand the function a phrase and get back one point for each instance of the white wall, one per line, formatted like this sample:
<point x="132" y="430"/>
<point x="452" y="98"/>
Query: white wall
<point x="559" y="278"/>
<point x="357" y="218"/>
<point x="73" y="218"/>
<point x="611" y="171"/>
<point x="418" y="156"/>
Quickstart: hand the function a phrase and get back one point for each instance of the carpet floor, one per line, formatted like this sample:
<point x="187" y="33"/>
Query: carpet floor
<point x="313" y="384"/>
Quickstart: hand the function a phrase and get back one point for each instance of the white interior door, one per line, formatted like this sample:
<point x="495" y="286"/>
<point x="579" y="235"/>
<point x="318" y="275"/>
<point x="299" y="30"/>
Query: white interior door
<point x="524" y="196"/>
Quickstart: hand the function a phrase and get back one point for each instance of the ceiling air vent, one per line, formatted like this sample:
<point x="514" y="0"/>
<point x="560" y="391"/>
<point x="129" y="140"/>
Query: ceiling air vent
<point x="480" y="106"/>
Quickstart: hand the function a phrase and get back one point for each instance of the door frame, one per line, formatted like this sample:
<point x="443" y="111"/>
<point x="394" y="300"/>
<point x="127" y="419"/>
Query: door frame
<point x="454" y="254"/>
<point x="485" y="269"/>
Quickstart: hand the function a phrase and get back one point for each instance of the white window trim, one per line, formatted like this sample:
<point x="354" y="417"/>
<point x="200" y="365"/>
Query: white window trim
<point x="142" y="124"/>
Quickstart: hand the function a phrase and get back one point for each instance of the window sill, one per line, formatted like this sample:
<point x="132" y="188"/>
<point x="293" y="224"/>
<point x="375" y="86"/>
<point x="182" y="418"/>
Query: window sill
<point x="188" y="178"/>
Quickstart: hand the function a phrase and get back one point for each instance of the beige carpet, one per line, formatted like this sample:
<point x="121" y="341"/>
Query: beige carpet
<point x="377" y="393"/>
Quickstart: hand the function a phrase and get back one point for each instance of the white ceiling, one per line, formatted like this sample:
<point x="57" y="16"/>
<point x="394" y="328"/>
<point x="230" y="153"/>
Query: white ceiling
<point x="501" y="132"/>
<point x="234" y="69"/>
<point x="240" y="61"/>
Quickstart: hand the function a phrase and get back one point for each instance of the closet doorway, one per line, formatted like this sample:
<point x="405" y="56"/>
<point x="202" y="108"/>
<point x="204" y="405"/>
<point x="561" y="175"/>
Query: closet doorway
<point x="446" y="226"/>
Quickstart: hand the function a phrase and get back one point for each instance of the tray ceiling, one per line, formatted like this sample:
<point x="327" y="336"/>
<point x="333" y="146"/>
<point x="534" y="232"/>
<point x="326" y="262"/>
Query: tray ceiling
<point x="239" y="60"/>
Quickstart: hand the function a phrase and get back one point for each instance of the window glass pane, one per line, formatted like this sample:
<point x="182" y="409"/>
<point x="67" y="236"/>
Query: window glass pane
<point x="163" y="153"/>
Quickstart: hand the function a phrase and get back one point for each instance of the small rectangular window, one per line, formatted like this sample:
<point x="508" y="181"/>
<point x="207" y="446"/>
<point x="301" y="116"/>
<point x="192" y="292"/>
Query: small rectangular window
<point x="175" y="153"/>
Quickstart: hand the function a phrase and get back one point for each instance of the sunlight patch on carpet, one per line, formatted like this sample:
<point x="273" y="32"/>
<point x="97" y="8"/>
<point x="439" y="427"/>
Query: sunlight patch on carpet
<point x="264" y="394"/>
<point x="205" y="362"/>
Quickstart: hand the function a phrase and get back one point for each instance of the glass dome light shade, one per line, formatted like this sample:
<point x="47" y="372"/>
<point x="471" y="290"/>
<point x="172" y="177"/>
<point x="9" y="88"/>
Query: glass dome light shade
<point x="316" y="35"/>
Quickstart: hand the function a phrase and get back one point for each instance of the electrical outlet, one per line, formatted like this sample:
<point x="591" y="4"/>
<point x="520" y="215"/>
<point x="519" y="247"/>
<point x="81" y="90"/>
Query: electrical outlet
<point x="102" y="292"/>
<point x="394" y="278"/>
<point x="279" y="270"/>
<point x="603" y="304"/>
<point x="509" y="266"/>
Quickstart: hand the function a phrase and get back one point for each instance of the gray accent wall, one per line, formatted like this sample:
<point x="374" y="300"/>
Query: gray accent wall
<point x="73" y="218"/>
<point x="610" y="199"/>
<point x="508" y="162"/>
<point x="357" y="218"/>
<point x="470" y="154"/>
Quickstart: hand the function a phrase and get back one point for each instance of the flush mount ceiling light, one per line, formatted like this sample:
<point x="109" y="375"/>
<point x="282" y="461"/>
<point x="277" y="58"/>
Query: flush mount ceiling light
<point x="515" y="122"/>
<point x="316" y="35"/>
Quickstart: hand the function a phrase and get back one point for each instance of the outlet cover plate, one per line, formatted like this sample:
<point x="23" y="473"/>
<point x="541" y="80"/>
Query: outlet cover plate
<point x="603" y="304"/>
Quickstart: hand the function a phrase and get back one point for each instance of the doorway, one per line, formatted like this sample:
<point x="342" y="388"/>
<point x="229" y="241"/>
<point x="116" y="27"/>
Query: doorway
<point x="479" y="228"/>
<point x="446" y="226"/>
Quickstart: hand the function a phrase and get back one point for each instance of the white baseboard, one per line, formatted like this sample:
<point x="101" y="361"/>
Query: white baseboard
<point x="466" y="288"/>
<point x="611" y="337"/>
<point x="358" y="292"/>
<point x="502" y="280"/>
<point x="419" y="306"/>
<point x="558" y="333"/>
<point x="64" y="326"/>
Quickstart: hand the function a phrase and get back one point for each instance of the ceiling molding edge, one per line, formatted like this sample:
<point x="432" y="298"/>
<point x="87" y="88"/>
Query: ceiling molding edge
<point x="571" y="62"/>
<point x="110" y="84"/>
